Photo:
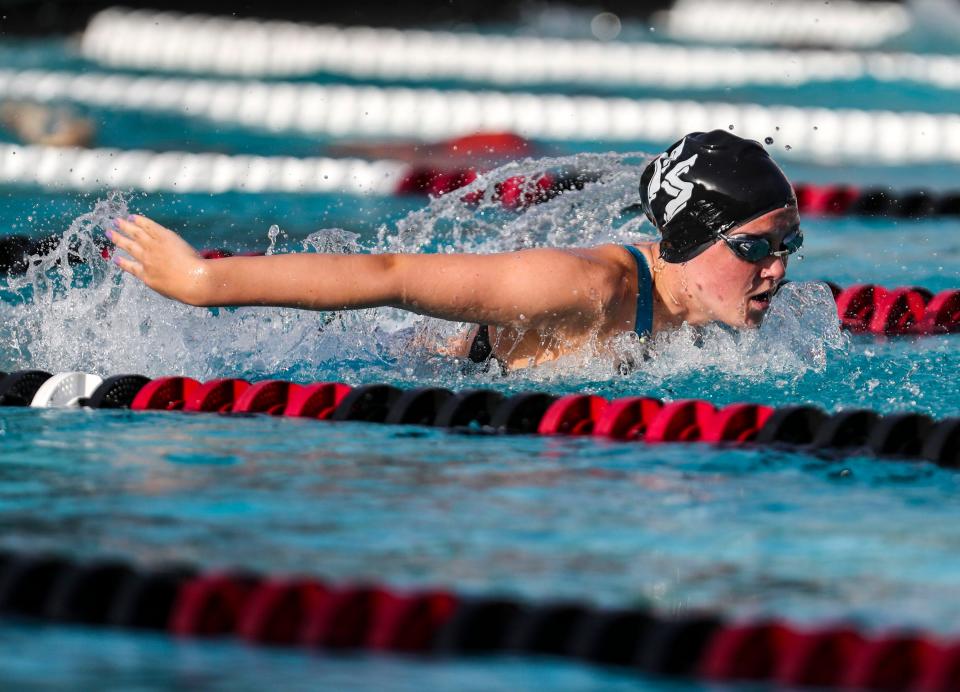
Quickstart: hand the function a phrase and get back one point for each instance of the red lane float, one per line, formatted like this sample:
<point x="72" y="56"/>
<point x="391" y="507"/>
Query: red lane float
<point x="574" y="414"/>
<point x="407" y="624"/>
<point x="747" y="652"/>
<point x="735" y="423"/>
<point x="855" y="306"/>
<point x="209" y="605"/>
<point x="345" y="618"/>
<point x="278" y="610"/>
<point x="942" y="670"/>
<point x="628" y="418"/>
<point x="894" y="662"/>
<point x="318" y="400"/>
<point x="165" y="394"/>
<point x="942" y="314"/>
<point x="269" y="396"/>
<point x="679" y="421"/>
<point x="834" y="200"/>
<point x="818" y="658"/>
<point x="216" y="396"/>
<point x="899" y="311"/>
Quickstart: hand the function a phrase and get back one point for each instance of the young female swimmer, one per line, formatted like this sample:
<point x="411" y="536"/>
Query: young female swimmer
<point x="726" y="212"/>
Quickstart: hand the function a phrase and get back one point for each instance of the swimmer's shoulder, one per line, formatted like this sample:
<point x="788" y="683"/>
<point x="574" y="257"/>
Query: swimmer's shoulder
<point x="619" y="257"/>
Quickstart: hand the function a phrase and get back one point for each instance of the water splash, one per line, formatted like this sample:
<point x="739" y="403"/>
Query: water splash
<point x="90" y="316"/>
<point x="478" y="217"/>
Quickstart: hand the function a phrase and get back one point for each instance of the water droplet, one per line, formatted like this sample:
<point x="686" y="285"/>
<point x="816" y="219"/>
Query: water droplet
<point x="777" y="128"/>
<point x="605" y="26"/>
<point x="768" y="140"/>
<point x="731" y="127"/>
<point x="787" y="147"/>
<point x="816" y="127"/>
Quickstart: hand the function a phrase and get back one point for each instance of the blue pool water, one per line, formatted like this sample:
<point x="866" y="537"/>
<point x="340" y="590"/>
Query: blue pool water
<point x="677" y="528"/>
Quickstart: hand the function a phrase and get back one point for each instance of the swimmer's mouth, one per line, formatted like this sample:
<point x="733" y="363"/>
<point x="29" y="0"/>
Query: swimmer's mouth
<point x="761" y="301"/>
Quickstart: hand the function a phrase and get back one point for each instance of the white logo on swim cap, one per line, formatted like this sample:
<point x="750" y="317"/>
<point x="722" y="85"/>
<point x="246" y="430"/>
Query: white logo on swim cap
<point x="680" y="190"/>
<point x="670" y="182"/>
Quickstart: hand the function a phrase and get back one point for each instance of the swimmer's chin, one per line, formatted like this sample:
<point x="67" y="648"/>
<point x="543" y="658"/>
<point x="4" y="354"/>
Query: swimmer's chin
<point x="754" y="318"/>
<point x="751" y="318"/>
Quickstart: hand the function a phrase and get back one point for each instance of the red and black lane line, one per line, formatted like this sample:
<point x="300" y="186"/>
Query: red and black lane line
<point x="905" y="311"/>
<point x="904" y="435"/>
<point x="849" y="200"/>
<point x="813" y="199"/>
<point x="313" y="614"/>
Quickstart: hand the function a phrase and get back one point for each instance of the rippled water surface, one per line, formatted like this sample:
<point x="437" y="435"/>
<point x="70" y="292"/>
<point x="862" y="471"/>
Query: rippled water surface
<point x="746" y="532"/>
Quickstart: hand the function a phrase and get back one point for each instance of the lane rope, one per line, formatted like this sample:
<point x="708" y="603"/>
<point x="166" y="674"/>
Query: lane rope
<point x="440" y="624"/>
<point x="805" y="429"/>
<point x="850" y="200"/>
<point x="177" y="171"/>
<point x="820" y="134"/>
<point x="250" y="48"/>
<point x="843" y="23"/>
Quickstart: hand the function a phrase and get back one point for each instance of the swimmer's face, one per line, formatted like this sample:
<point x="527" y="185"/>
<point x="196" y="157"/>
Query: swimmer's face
<point x="726" y="288"/>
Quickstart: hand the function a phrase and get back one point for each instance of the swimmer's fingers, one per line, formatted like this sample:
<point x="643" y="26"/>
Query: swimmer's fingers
<point x="149" y="226"/>
<point x="131" y="246"/>
<point x="156" y="238"/>
<point x="130" y="266"/>
<point x="129" y="228"/>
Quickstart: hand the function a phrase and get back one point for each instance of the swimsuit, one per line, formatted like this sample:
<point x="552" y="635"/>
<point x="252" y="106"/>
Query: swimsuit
<point x="481" y="349"/>
<point x="643" y="324"/>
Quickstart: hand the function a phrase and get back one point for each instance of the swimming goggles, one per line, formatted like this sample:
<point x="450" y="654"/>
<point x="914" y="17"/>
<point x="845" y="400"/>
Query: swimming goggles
<point x="757" y="248"/>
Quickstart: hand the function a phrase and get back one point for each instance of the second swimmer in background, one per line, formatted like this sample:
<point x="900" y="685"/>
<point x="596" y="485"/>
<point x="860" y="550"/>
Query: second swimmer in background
<point x="726" y="213"/>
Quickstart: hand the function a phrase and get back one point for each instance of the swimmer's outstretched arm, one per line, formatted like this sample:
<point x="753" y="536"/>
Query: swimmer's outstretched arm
<point x="529" y="288"/>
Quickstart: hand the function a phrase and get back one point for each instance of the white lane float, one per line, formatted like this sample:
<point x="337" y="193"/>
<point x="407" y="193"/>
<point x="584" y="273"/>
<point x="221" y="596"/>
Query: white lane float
<point x="179" y="171"/>
<point x="820" y="134"/>
<point x="838" y="23"/>
<point x="66" y="390"/>
<point x="256" y="48"/>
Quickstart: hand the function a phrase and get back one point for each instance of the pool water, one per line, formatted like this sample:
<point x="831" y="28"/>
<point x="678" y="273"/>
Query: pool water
<point x="676" y="528"/>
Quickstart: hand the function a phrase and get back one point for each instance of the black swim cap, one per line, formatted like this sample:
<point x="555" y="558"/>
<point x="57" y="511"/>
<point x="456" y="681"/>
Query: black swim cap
<point x="708" y="183"/>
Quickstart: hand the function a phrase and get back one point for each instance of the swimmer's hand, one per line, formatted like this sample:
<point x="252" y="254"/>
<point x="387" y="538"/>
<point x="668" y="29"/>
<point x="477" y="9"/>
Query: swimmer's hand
<point x="161" y="259"/>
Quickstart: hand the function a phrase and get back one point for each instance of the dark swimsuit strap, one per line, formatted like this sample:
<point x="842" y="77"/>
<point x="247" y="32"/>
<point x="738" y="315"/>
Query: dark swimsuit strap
<point x="481" y="349"/>
<point x="643" y="325"/>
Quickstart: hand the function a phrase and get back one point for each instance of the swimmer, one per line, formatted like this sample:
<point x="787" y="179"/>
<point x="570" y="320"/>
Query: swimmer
<point x="726" y="213"/>
<point x="47" y="126"/>
<point x="480" y="151"/>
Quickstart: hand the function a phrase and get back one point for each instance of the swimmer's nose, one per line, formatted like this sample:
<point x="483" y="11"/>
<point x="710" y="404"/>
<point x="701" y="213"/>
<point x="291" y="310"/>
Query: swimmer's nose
<point x="774" y="268"/>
